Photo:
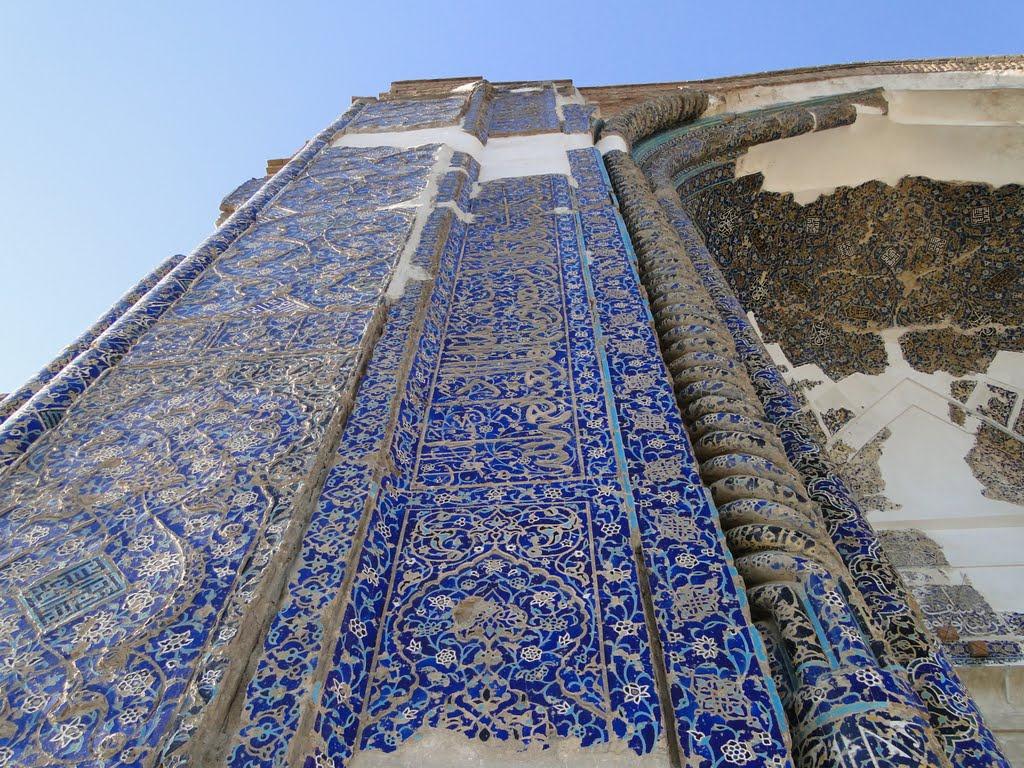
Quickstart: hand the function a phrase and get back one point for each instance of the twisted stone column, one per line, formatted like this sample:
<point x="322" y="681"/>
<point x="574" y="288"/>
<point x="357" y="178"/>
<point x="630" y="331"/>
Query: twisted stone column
<point x="831" y="662"/>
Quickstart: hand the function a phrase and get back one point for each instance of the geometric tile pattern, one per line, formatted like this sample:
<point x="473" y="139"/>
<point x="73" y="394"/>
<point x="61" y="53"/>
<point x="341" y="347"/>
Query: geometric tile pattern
<point x="66" y="594"/>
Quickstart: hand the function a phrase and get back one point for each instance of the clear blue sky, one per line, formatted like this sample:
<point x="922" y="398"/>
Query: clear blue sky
<point x="125" y="123"/>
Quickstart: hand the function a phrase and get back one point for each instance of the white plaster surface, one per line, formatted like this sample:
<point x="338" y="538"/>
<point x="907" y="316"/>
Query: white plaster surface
<point x="948" y="136"/>
<point x="453" y="136"/>
<point x="923" y="464"/>
<point x="575" y="98"/>
<point x="438" y="748"/>
<point x="975" y="134"/>
<point x="988" y="106"/>
<point x="530" y="155"/>
<point x="610" y="143"/>
<point x="758" y="97"/>
<point x="500" y="158"/>
<point x="925" y="473"/>
<point x="466" y="87"/>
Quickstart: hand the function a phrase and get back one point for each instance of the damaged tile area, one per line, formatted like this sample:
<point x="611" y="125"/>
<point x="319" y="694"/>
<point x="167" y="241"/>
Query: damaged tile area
<point x="139" y="531"/>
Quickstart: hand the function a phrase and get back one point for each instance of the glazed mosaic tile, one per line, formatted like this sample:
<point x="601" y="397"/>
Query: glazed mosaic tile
<point x="277" y="691"/>
<point x="479" y="600"/>
<point x="1015" y="621"/>
<point x="241" y="194"/>
<point x="713" y="656"/>
<point x="959" y="606"/>
<point x="862" y="472"/>
<point x="409" y="115"/>
<point x="281" y="507"/>
<point x="138" y="529"/>
<point x="497" y="592"/>
<point x="962" y="389"/>
<point x="577" y="118"/>
<point x="669" y="160"/>
<point x="929" y="671"/>
<point x="836" y="418"/>
<point x="457" y="184"/>
<point x="51" y="402"/>
<point x="20" y="396"/>
<point x="477" y="112"/>
<point x="806" y="607"/>
<point x="988" y="652"/>
<point x="912" y="549"/>
<point x="826" y="277"/>
<point x="517" y="113"/>
<point x="281" y="685"/>
<point x="999" y="405"/>
<point x="997" y="461"/>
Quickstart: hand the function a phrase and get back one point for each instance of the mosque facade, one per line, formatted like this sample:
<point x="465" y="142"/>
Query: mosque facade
<point x="533" y="424"/>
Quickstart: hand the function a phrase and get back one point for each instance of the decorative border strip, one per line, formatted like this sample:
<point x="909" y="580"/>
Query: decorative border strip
<point x="722" y="698"/>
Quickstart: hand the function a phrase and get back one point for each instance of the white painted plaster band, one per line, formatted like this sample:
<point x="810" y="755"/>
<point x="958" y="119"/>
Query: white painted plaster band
<point x="500" y="158"/>
<point x="945" y="136"/>
<point x="610" y="143"/>
<point x="758" y="97"/>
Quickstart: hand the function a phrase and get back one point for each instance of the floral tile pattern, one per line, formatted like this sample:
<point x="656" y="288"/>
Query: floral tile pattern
<point x="279" y="688"/>
<point x="517" y="113"/>
<point x="137" y="530"/>
<point x="672" y="161"/>
<point x="826" y="277"/>
<point x="75" y="370"/>
<point x="496" y="593"/>
<point x="409" y="115"/>
<point x="295" y="510"/>
<point x="723" y="701"/>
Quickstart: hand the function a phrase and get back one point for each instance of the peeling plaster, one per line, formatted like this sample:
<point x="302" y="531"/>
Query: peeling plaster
<point x="759" y="97"/>
<point x="945" y="136"/>
<point x="923" y="467"/>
